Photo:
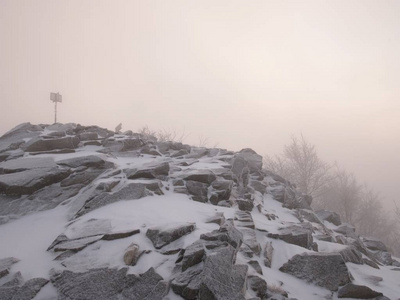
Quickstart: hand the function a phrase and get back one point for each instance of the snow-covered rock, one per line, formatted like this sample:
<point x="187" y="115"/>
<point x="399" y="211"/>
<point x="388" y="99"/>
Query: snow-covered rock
<point x="91" y="214"/>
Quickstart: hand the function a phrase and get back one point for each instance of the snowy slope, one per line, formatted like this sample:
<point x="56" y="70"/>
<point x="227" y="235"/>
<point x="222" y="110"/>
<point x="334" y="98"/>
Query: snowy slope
<point x="110" y="185"/>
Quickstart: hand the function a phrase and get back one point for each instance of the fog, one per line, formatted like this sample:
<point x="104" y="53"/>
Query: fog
<point x="239" y="73"/>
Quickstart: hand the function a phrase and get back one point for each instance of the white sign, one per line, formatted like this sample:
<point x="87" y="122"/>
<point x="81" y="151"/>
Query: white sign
<point x="55" y="97"/>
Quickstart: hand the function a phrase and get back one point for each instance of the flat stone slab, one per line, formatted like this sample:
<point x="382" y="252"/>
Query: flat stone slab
<point x="77" y="244"/>
<point x="327" y="270"/>
<point x="26" y="163"/>
<point x="204" y="176"/>
<point x="31" y="180"/>
<point x="164" y="235"/>
<point x="86" y="161"/>
<point x="131" y="191"/>
<point x="358" y="292"/>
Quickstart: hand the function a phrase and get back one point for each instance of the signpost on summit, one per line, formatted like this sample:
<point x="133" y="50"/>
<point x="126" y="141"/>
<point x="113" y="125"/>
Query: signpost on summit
<point x="55" y="97"/>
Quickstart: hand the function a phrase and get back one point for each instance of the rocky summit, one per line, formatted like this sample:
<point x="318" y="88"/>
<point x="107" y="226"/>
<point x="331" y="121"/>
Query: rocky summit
<point x="86" y="213"/>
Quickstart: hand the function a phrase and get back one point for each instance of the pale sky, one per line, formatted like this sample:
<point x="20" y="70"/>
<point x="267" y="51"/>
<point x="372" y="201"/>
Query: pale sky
<point x="241" y="73"/>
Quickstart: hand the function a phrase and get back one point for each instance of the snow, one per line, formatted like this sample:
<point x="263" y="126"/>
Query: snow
<point x="28" y="237"/>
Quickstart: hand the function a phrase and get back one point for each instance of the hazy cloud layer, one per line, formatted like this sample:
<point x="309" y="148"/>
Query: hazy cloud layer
<point x="242" y="73"/>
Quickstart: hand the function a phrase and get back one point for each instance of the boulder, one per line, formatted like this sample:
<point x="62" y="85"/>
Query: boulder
<point x="383" y="257"/>
<point x="83" y="178"/>
<point x="268" y="251"/>
<point x="250" y="239"/>
<point x="86" y="161"/>
<point x="31" y="180"/>
<point x="149" y="172"/>
<point x="195" y="253"/>
<point x="26" y="163"/>
<point x="17" y="136"/>
<point x="240" y="170"/>
<point x="132" y="254"/>
<point x="226" y="233"/>
<point x="258" y="285"/>
<point x="101" y="132"/>
<point x="254" y="161"/>
<point x="87" y="136"/>
<point x="329" y="216"/>
<point x="327" y="270"/>
<point x="220" y="278"/>
<point x="309" y="215"/>
<point x="351" y="254"/>
<point x="222" y="189"/>
<point x="164" y="235"/>
<point x="187" y="284"/>
<point x="39" y="144"/>
<point x="370" y="263"/>
<point x="294" y="199"/>
<point x="5" y="264"/>
<point x="357" y="292"/>
<point x="131" y="191"/>
<point x="95" y="284"/>
<point x="76" y="244"/>
<point x="131" y="144"/>
<point x="198" y="189"/>
<point x="256" y="266"/>
<point x="146" y="286"/>
<point x="347" y="230"/>
<point x="16" y="280"/>
<point x="258" y="186"/>
<point x="30" y="289"/>
<point x="374" y="244"/>
<point x="218" y="218"/>
<point x="164" y="147"/>
<point x="278" y="192"/>
<point x="204" y="176"/>
<point x="296" y="235"/>
<point x="245" y="205"/>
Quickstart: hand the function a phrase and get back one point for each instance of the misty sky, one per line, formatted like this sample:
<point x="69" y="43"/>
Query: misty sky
<point x="241" y="73"/>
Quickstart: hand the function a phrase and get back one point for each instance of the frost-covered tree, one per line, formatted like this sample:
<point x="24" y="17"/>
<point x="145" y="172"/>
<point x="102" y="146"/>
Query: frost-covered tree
<point x="300" y="164"/>
<point x="343" y="195"/>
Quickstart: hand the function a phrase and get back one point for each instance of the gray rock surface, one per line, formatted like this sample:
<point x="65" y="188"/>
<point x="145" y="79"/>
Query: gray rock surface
<point x="258" y="285"/>
<point x="296" y="235"/>
<point x="30" y="289"/>
<point x="132" y="254"/>
<point x="86" y="161"/>
<point x="150" y="172"/>
<point x="254" y="161"/>
<point x="146" y="286"/>
<point x="161" y="236"/>
<point x="244" y="204"/>
<point x="204" y="176"/>
<point x="226" y="233"/>
<point x="31" y="180"/>
<point x="77" y="244"/>
<point x="40" y="144"/>
<point x="131" y="191"/>
<point x="5" y="264"/>
<point x="374" y="244"/>
<point x="96" y="284"/>
<point x="327" y="270"/>
<point x="198" y="190"/>
<point x="351" y="254"/>
<point x="357" y="292"/>
<point x="268" y="251"/>
<point x="221" y="279"/>
<point x="329" y="216"/>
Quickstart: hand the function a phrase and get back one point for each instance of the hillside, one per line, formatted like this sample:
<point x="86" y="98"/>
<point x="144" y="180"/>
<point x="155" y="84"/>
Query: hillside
<point x="86" y="213"/>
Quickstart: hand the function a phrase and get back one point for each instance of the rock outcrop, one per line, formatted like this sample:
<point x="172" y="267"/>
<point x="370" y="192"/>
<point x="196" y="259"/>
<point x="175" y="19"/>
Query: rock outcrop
<point x="131" y="217"/>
